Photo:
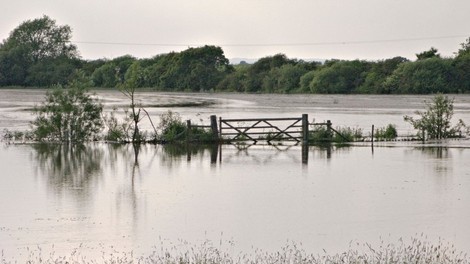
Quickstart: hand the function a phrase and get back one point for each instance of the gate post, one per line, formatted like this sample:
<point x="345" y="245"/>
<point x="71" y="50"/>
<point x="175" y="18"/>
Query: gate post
<point x="215" y="131"/>
<point x="329" y="131"/>
<point x="188" y="131"/>
<point x="305" y="129"/>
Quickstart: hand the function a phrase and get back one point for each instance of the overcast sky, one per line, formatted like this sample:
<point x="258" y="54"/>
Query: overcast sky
<point x="303" y="29"/>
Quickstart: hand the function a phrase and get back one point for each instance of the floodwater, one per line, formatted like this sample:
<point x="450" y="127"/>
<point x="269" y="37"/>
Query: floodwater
<point x="106" y="198"/>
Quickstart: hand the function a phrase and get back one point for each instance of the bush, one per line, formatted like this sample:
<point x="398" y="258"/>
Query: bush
<point x="117" y="131"/>
<point x="342" y="135"/>
<point x="14" y="135"/>
<point x="386" y="133"/>
<point x="320" y="134"/>
<point x="435" y="122"/>
<point x="68" y="114"/>
<point x="171" y="126"/>
<point x="347" y="134"/>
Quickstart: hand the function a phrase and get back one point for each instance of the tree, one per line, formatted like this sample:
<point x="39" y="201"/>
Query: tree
<point x="69" y="114"/>
<point x="378" y="73"/>
<point x="465" y="48"/>
<point x="305" y="81"/>
<point x="433" y="75"/>
<point x="431" y="53"/>
<point x="340" y="77"/>
<point x="435" y="122"/>
<point x="135" y="77"/>
<point x="128" y="88"/>
<point x="461" y="65"/>
<point x="32" y="42"/>
<point x="257" y="75"/>
<point x="283" y="79"/>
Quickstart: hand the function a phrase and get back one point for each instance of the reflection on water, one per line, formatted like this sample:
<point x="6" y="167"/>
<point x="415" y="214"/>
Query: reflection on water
<point x="175" y="154"/>
<point x="436" y="152"/>
<point x="127" y="196"/>
<point x="68" y="167"/>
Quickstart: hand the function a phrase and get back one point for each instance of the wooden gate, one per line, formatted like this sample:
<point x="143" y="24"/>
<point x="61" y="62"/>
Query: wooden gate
<point x="268" y="129"/>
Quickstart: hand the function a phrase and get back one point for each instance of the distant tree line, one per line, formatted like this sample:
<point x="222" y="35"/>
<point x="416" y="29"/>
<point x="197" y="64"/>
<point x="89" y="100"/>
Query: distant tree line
<point x="38" y="53"/>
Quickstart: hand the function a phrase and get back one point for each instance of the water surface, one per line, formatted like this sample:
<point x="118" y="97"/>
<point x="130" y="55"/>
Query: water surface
<point x="105" y="195"/>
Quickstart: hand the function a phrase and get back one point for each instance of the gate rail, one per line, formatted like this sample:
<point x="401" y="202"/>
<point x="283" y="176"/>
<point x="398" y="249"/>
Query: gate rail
<point x="269" y="129"/>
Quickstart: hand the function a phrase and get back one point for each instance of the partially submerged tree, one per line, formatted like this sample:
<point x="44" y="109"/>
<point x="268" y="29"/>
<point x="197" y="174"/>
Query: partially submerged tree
<point x="69" y="114"/>
<point x="435" y="122"/>
<point x="134" y="78"/>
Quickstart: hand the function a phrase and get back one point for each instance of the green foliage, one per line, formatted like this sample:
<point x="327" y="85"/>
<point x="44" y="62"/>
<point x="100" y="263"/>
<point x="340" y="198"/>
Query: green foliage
<point x="341" y="135"/>
<point x="431" y="53"/>
<point x="32" y="46"/>
<point x="15" y="135"/>
<point x="68" y="114"/>
<point x="461" y="64"/>
<point x="340" y="77"/>
<point x="433" y="75"/>
<point x="320" y="134"/>
<point x="259" y="74"/>
<point x="117" y="131"/>
<point x="386" y="133"/>
<point x="52" y="71"/>
<point x="171" y="126"/>
<point x="347" y="134"/>
<point x="465" y="48"/>
<point x="129" y="88"/>
<point x="234" y="82"/>
<point x="305" y="81"/>
<point x="112" y="72"/>
<point x="435" y="122"/>
<point x="195" y="69"/>
<point x="377" y="75"/>
<point x="38" y="53"/>
<point x="201" y="134"/>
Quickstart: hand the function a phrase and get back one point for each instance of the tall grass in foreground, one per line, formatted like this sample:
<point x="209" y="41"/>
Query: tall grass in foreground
<point x="415" y="251"/>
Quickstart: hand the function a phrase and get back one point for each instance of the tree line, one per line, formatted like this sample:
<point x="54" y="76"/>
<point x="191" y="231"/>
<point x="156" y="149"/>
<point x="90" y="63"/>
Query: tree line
<point x="39" y="53"/>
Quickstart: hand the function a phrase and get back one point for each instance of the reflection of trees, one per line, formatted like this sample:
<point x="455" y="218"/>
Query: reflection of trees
<point x="437" y="157"/>
<point x="68" y="166"/>
<point x="436" y="152"/>
<point x="174" y="154"/>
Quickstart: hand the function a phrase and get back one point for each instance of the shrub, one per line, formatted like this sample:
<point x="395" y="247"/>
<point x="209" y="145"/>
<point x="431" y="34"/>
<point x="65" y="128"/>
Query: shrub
<point x="320" y="134"/>
<point x="341" y="135"/>
<point x="68" y="114"/>
<point x="171" y="126"/>
<point x="386" y="133"/>
<point x="117" y="131"/>
<point x="347" y="134"/>
<point x="435" y="122"/>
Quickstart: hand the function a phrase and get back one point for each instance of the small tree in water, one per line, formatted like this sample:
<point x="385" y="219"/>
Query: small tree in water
<point x="435" y="122"/>
<point x="68" y="114"/>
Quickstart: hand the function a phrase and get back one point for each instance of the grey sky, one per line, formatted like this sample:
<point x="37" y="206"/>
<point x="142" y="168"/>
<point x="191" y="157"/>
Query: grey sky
<point x="325" y="29"/>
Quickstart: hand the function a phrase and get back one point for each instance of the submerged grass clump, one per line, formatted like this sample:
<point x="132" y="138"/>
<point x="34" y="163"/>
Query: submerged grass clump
<point x="415" y="251"/>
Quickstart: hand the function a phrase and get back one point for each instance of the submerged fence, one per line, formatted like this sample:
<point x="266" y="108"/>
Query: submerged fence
<point x="293" y="129"/>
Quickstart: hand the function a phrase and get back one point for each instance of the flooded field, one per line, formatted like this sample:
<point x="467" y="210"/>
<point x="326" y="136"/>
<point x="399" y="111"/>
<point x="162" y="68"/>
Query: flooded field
<point x="115" y="198"/>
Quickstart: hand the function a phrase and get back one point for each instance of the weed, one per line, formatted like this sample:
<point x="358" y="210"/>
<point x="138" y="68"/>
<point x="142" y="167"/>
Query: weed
<point x="386" y="133"/>
<point x="418" y="251"/>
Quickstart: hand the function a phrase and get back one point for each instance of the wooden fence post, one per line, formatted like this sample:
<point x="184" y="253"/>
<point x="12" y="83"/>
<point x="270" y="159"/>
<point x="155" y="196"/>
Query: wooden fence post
<point x="305" y="128"/>
<point x="372" y="139"/>
<point x="304" y="154"/>
<point x="215" y="131"/>
<point x="328" y="129"/>
<point x="188" y="130"/>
